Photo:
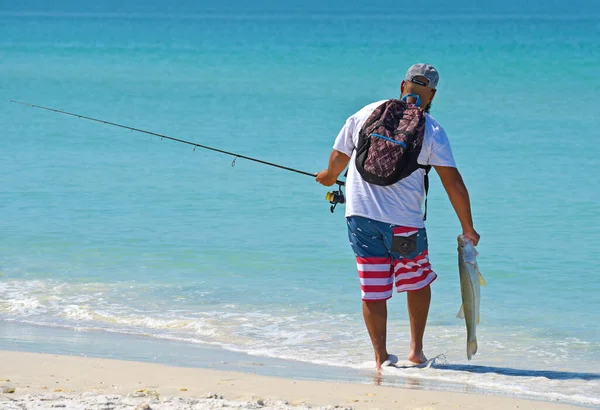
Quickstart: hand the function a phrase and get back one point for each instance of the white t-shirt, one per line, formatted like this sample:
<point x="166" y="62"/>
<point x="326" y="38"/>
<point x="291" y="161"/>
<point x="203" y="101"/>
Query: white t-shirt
<point x="400" y="203"/>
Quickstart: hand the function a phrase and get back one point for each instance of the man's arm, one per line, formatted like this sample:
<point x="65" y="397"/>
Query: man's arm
<point x="459" y="197"/>
<point x="337" y="163"/>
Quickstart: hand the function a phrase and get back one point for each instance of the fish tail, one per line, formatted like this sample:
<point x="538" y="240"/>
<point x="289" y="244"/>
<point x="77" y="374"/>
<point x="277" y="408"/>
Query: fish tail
<point x="471" y="348"/>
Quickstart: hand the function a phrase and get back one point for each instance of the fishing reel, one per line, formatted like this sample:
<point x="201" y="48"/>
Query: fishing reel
<point x="335" y="197"/>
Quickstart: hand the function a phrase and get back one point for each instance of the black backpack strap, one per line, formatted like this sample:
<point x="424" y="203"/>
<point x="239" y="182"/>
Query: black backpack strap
<point x="427" y="168"/>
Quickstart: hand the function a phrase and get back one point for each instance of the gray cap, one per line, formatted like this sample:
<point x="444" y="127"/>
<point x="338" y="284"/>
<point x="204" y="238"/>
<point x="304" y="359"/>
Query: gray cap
<point x="424" y="70"/>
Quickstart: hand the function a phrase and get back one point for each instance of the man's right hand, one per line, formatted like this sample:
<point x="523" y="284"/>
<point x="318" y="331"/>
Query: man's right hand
<point x="472" y="235"/>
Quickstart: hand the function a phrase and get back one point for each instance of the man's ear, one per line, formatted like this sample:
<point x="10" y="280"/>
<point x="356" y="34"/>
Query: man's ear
<point x="433" y="94"/>
<point x="402" y="85"/>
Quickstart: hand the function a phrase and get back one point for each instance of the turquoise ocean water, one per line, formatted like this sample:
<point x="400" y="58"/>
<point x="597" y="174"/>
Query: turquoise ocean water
<point x="105" y="230"/>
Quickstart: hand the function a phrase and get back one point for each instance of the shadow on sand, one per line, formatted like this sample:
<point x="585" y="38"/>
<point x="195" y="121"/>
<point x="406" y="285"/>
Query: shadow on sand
<point x="507" y="371"/>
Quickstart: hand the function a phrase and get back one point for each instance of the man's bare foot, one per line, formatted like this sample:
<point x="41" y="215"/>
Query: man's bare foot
<point x="417" y="357"/>
<point x="391" y="360"/>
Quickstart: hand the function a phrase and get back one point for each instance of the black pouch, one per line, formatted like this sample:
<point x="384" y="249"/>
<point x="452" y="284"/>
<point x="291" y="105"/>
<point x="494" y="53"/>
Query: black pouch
<point x="404" y="245"/>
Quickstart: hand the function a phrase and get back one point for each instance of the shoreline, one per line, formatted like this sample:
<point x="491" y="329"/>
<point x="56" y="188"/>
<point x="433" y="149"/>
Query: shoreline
<point x="128" y="348"/>
<point x="58" y="379"/>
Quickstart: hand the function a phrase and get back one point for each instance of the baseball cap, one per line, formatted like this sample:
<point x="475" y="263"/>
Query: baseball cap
<point x="423" y="70"/>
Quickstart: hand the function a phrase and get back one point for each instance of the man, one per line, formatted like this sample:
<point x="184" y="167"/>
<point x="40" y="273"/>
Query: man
<point x="386" y="225"/>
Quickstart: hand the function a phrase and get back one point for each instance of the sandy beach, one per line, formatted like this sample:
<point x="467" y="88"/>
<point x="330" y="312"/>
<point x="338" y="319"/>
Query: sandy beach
<point x="43" y="381"/>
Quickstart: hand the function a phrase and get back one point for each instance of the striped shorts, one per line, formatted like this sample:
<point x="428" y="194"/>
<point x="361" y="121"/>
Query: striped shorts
<point x="387" y="255"/>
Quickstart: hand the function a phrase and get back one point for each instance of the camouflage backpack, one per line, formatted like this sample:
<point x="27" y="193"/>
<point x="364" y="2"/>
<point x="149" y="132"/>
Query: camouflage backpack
<point x="389" y="144"/>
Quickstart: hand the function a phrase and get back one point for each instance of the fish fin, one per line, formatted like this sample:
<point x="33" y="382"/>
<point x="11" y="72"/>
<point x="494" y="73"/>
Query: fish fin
<point x="461" y="312"/>
<point x="482" y="281"/>
<point x="478" y="318"/>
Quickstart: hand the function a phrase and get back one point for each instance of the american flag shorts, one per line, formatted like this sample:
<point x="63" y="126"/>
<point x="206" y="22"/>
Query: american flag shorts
<point x="388" y="255"/>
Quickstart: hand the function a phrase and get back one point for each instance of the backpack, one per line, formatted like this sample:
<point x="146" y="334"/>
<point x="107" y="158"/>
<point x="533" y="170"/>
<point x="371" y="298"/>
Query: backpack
<point x="389" y="144"/>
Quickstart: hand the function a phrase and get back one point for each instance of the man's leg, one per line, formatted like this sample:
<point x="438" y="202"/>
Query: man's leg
<point x="413" y="275"/>
<point x="376" y="280"/>
<point x="418" y="309"/>
<point x="375" y="314"/>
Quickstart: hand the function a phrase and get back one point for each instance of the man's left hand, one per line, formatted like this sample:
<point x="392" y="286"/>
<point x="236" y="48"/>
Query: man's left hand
<point x="325" y="178"/>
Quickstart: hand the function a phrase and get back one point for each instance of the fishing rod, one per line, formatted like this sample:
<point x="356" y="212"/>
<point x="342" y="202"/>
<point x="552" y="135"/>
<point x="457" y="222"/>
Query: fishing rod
<point x="334" y="197"/>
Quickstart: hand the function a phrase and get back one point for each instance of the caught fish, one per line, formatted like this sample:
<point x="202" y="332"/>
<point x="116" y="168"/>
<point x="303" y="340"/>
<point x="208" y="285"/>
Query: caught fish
<point x="470" y="281"/>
